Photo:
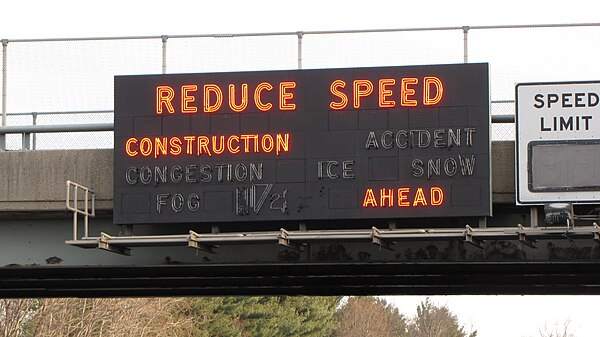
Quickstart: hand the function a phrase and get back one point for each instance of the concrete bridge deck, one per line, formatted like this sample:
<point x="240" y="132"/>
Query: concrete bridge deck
<point x="36" y="261"/>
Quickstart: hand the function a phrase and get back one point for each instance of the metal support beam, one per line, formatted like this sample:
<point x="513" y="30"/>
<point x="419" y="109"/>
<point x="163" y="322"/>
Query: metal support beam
<point x="126" y="230"/>
<point x="384" y="238"/>
<point x="533" y="215"/>
<point x="392" y="225"/>
<point x="483" y="222"/>
<point x="302" y="226"/>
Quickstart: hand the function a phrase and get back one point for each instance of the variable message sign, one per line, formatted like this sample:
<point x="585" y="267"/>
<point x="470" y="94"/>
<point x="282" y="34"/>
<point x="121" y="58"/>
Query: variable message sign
<point x="361" y="143"/>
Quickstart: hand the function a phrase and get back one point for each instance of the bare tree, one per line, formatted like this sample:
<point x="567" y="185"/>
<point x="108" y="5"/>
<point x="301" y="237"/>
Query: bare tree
<point x="15" y="315"/>
<point x="370" y="316"/>
<point x="560" y="329"/>
<point x="112" y="317"/>
<point x="436" y="321"/>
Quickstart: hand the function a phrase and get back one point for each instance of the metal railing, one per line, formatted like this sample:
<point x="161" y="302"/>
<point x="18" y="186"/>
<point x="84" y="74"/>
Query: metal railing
<point x="28" y="132"/>
<point x="298" y="239"/>
<point x="62" y="74"/>
<point x="89" y="206"/>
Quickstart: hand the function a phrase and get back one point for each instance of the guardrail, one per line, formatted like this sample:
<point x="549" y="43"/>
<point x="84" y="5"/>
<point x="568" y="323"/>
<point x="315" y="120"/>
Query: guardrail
<point x="27" y="130"/>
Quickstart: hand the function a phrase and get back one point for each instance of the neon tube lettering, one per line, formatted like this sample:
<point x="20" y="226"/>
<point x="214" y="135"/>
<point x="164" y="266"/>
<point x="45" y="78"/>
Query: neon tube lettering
<point x="244" y="104"/>
<point x="257" y="98"/>
<point x="208" y="106"/>
<point x="406" y="92"/>
<point x="362" y="88"/>
<point x="164" y="96"/>
<point x="285" y="96"/>
<point x="439" y="92"/>
<point x="384" y="93"/>
<point x="186" y="99"/>
<point x="343" y="98"/>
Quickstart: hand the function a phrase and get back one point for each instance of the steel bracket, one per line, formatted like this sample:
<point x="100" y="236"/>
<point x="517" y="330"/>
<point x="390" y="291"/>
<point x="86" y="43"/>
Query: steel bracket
<point x="378" y="240"/>
<point x="283" y="238"/>
<point x="470" y="239"/>
<point x="104" y="244"/>
<point x="524" y="239"/>
<point x="596" y="233"/>
<point x="194" y="242"/>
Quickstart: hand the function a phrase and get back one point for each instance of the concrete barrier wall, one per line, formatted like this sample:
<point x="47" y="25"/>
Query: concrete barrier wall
<point x="35" y="180"/>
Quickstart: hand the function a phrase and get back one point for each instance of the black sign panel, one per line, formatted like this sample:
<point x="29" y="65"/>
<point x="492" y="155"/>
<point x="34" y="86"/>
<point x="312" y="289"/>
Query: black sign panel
<point x="389" y="142"/>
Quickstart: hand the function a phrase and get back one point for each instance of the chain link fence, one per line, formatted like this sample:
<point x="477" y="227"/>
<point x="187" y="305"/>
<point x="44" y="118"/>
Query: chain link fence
<point x="70" y="81"/>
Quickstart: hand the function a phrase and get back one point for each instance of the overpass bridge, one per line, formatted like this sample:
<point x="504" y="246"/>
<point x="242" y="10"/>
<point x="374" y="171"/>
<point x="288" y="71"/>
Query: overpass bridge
<point x="509" y="253"/>
<point x="44" y="255"/>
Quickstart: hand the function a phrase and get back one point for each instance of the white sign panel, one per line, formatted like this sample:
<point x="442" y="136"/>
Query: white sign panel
<point x="558" y="142"/>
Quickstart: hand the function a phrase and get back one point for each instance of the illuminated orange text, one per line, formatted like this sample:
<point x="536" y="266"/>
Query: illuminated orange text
<point x="286" y="95"/>
<point x="208" y="146"/>
<point x="258" y="98"/>
<point x="403" y="197"/>
<point x="335" y="85"/>
<point x="164" y="96"/>
<point x="430" y="82"/>
<point x="214" y="97"/>
<point x="384" y="92"/>
<point x="187" y="99"/>
<point x="361" y="88"/>
<point x="214" y="90"/>
<point x="409" y="92"/>
<point x="244" y="101"/>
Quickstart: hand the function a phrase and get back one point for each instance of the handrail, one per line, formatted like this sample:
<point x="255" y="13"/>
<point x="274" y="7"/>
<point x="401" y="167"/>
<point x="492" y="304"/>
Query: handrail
<point x="89" y="204"/>
<point x="15" y="129"/>
<point x="27" y="130"/>
<point x="295" y="33"/>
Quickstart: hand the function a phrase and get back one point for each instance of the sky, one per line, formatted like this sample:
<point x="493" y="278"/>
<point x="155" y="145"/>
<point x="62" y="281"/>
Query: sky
<point x="65" y="18"/>
<point x="492" y="316"/>
<point x="513" y="316"/>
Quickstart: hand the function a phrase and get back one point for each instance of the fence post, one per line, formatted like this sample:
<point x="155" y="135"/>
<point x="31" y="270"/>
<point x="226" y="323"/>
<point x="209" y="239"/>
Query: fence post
<point x="34" y="116"/>
<point x="26" y="141"/>
<point x="4" y="50"/>
<point x="300" y="35"/>
<point x="466" y="43"/>
<point x="164" y="39"/>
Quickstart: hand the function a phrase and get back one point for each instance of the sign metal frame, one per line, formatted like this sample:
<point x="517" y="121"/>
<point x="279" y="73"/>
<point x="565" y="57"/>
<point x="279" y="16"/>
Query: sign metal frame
<point x="409" y="142"/>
